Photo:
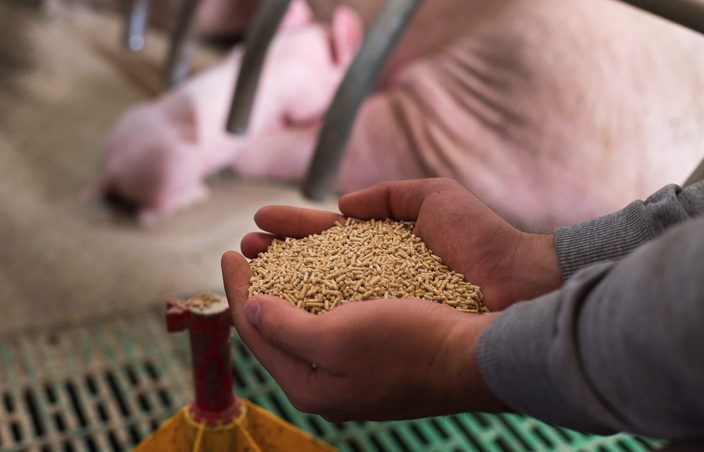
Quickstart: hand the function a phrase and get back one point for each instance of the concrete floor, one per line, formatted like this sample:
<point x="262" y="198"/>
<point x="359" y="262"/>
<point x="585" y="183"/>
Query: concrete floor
<point x="62" y="261"/>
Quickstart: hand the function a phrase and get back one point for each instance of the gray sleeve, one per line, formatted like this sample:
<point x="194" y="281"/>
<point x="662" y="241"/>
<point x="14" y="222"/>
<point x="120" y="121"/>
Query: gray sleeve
<point x="620" y="347"/>
<point x="613" y="236"/>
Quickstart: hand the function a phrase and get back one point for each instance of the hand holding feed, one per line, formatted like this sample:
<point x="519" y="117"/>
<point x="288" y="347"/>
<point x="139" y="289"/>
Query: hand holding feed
<point x="375" y="360"/>
<point x="394" y="358"/>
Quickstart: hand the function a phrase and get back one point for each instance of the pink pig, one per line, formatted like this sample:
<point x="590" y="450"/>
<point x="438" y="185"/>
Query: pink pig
<point x="550" y="111"/>
<point x="160" y="152"/>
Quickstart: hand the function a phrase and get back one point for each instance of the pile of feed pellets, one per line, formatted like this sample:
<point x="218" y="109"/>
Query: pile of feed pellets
<point x="362" y="260"/>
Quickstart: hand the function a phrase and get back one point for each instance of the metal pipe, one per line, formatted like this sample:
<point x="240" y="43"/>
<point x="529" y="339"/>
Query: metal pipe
<point x="181" y="45"/>
<point x="263" y="28"/>
<point x="389" y="24"/>
<point x="136" y="17"/>
<point x="688" y="13"/>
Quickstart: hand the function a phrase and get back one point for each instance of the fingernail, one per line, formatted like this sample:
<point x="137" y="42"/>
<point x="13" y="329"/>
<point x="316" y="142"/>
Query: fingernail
<point x="251" y="311"/>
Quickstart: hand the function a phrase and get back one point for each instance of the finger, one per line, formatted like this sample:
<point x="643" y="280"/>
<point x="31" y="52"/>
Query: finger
<point x="399" y="200"/>
<point x="295" y="222"/>
<point x="256" y="242"/>
<point x="281" y="366"/>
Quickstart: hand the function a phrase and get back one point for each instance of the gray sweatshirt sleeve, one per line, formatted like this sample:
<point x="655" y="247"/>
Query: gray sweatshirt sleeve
<point x="620" y="347"/>
<point x="613" y="236"/>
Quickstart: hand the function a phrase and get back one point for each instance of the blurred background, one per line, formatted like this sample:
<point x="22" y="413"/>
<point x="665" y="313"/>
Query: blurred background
<point x="85" y="360"/>
<point x="65" y="80"/>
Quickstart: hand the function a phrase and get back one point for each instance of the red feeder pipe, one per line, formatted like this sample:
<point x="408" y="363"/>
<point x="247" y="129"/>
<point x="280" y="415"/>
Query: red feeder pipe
<point x="208" y="320"/>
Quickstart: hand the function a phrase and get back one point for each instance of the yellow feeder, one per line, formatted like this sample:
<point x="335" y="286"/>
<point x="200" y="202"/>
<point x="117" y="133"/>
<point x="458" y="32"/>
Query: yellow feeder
<point x="216" y="420"/>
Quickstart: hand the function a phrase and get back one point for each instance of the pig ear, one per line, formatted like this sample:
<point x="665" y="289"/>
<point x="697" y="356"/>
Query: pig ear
<point x="347" y="34"/>
<point x="297" y="15"/>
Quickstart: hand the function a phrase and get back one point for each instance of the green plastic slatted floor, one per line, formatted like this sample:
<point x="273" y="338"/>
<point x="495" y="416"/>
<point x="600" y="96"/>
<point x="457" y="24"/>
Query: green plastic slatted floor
<point x="104" y="386"/>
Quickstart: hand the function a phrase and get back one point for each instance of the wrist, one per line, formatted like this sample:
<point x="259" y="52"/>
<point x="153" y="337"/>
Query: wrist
<point x="535" y="269"/>
<point x="470" y="391"/>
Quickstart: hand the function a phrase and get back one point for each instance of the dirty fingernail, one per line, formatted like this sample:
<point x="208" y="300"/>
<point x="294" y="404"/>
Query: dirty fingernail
<point x="251" y="311"/>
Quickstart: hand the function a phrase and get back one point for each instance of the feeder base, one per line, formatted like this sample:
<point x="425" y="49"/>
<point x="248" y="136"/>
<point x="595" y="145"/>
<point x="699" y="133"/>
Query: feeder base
<point x="257" y="431"/>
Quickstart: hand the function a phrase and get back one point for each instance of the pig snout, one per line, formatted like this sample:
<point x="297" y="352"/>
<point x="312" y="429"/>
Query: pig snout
<point x="152" y="161"/>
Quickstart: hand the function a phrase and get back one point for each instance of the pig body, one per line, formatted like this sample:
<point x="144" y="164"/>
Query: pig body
<point x="550" y="111"/>
<point x="160" y="152"/>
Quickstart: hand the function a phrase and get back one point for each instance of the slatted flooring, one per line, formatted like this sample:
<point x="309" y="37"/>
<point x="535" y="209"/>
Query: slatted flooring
<point x="104" y="386"/>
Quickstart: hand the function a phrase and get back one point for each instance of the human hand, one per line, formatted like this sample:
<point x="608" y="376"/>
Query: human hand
<point x="375" y="360"/>
<point x="507" y="264"/>
<point x="390" y="359"/>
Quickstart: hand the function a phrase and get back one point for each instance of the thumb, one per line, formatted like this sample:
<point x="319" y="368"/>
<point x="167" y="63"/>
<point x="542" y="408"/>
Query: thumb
<point x="287" y="328"/>
<point x="266" y="313"/>
<point x="236" y="275"/>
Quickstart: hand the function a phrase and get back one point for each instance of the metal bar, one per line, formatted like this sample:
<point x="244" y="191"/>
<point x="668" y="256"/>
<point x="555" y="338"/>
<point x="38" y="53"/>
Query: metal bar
<point x="181" y="45"/>
<point x="136" y="17"/>
<point x="389" y="24"/>
<point x="263" y="28"/>
<point x="688" y="13"/>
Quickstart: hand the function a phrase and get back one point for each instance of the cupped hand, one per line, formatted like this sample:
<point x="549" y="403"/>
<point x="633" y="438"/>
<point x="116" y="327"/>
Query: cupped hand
<point x="374" y="360"/>
<point x="508" y="265"/>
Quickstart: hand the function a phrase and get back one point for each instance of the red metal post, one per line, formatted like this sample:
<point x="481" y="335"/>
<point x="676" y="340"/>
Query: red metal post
<point x="208" y="321"/>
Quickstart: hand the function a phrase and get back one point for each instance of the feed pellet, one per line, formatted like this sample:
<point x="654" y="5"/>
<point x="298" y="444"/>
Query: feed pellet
<point x="362" y="260"/>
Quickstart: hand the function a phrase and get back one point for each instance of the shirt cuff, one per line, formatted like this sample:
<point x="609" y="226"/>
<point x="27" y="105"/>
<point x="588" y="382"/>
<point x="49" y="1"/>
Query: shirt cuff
<point x="527" y="359"/>
<point x="602" y="239"/>
<point x="613" y="236"/>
